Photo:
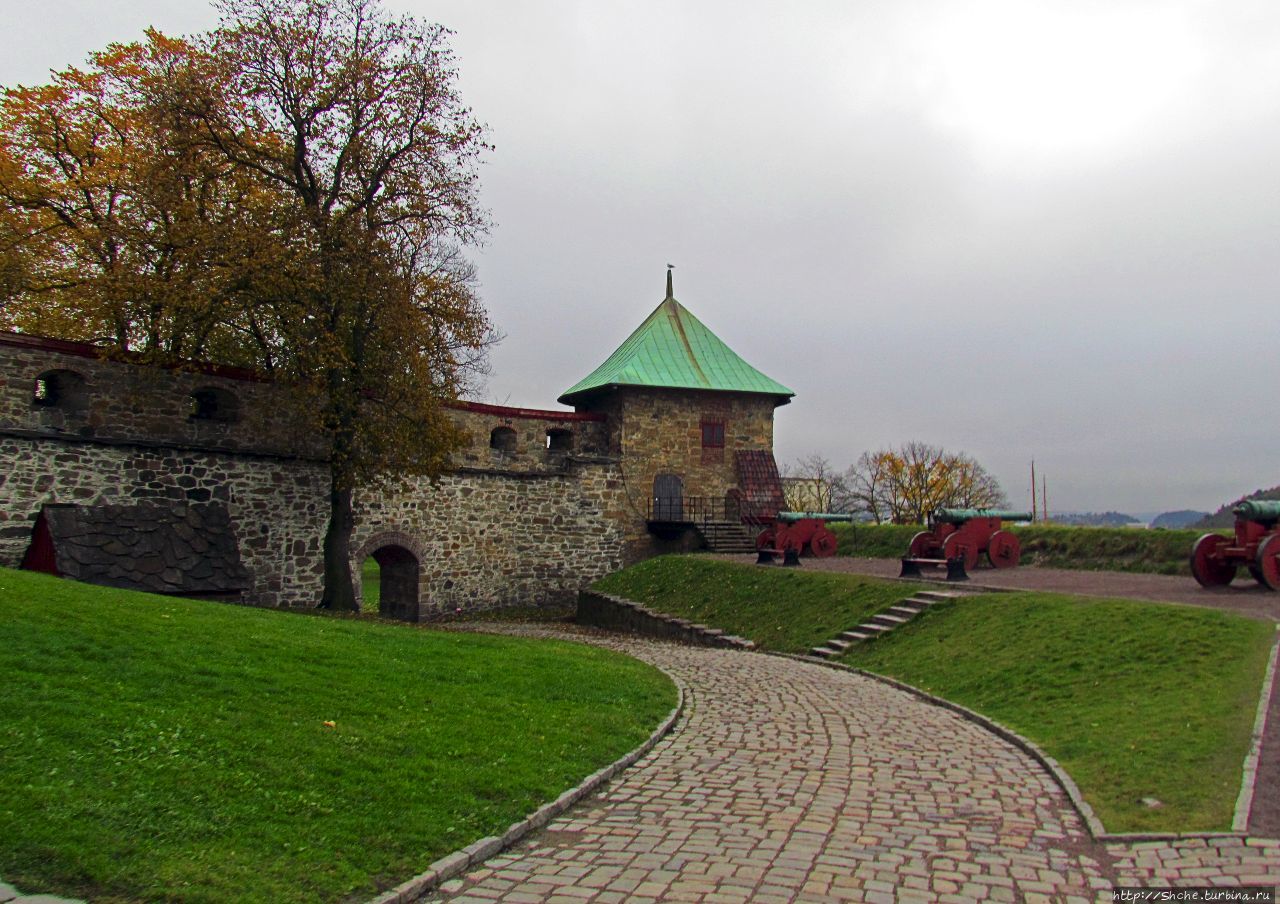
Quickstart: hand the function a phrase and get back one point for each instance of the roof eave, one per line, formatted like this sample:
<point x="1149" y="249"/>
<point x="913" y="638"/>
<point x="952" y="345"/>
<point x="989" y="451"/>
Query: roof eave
<point x="574" y="398"/>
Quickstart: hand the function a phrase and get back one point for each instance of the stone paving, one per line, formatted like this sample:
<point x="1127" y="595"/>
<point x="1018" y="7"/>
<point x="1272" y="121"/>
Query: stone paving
<point x="786" y="781"/>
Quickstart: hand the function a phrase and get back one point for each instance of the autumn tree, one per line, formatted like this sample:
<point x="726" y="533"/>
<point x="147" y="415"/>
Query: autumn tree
<point x="904" y="485"/>
<point x="352" y="118"/>
<point x="116" y="227"/>
<point x="293" y="191"/>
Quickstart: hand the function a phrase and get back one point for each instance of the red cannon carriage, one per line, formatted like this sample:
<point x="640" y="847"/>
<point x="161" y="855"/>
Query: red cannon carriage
<point x="963" y="535"/>
<point x="796" y="534"/>
<point x="1256" y="545"/>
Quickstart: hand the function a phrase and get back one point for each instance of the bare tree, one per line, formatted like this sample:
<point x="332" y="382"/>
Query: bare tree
<point x="811" y="484"/>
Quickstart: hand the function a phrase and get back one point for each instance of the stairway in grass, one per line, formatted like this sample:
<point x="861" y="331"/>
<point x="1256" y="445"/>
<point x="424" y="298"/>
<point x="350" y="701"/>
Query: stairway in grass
<point x="879" y="625"/>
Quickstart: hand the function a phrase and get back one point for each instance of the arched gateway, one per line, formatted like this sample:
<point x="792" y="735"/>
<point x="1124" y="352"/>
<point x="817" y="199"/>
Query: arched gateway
<point x="399" y="563"/>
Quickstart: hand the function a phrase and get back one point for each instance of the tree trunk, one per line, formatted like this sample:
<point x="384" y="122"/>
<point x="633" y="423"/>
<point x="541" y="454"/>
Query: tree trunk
<point x="339" y="589"/>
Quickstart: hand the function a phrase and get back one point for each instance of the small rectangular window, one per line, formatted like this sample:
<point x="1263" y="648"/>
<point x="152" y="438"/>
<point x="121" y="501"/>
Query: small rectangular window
<point x="712" y="433"/>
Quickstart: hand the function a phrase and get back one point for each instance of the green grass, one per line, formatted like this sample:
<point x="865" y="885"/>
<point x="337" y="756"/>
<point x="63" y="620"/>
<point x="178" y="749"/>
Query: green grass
<point x="1135" y="700"/>
<point x="1085" y="548"/>
<point x="785" y="609"/>
<point x="159" y="749"/>
<point x="371" y="585"/>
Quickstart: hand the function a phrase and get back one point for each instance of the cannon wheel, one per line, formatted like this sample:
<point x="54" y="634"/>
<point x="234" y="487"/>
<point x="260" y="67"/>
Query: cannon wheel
<point x="952" y="547"/>
<point x="921" y="543"/>
<point x="1269" y="562"/>
<point x="767" y="539"/>
<point x="1003" y="550"/>
<point x="1207" y="565"/>
<point x="823" y="543"/>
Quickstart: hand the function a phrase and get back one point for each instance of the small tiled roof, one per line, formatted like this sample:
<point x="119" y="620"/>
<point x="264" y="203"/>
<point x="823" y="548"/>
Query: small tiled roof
<point x="761" y="484"/>
<point x="674" y="350"/>
<point x="158" y="547"/>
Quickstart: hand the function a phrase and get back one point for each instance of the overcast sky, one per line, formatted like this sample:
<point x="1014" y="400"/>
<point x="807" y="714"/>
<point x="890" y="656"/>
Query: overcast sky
<point x="1019" y="228"/>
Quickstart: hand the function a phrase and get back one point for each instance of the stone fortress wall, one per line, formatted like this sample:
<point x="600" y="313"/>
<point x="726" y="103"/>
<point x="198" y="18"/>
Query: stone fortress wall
<point x="534" y="509"/>
<point x="657" y="433"/>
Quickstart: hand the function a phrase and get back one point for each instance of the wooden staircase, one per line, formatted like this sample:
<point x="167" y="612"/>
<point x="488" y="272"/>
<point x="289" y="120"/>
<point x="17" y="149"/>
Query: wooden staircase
<point x="728" y="536"/>
<point x="883" y="623"/>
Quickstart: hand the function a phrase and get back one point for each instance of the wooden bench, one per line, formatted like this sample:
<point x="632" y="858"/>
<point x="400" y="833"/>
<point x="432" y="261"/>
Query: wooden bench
<point x="790" y="557"/>
<point x="955" y="567"/>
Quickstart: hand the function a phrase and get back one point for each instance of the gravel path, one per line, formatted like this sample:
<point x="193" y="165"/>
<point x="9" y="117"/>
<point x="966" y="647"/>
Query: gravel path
<point x="1246" y="597"/>
<point x="786" y="781"/>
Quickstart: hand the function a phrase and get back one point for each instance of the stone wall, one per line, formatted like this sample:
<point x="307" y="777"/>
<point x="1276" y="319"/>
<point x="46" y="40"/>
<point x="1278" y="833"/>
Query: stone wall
<point x="115" y="401"/>
<point x="659" y="431"/>
<point x="277" y="506"/>
<point x="527" y="524"/>
<point x="601" y="610"/>
<point x="493" y="540"/>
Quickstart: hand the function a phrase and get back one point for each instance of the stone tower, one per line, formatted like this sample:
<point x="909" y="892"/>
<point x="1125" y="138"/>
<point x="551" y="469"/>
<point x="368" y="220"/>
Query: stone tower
<point x="692" y="424"/>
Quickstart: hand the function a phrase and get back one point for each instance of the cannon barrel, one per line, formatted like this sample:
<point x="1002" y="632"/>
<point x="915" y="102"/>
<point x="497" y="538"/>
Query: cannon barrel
<point x="959" y="516"/>
<point x="820" y="516"/>
<point x="1258" y="510"/>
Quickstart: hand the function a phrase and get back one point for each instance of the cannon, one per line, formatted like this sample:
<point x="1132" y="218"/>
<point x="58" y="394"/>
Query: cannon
<point x="962" y="535"/>
<point x="1256" y="545"/>
<point x="796" y="534"/>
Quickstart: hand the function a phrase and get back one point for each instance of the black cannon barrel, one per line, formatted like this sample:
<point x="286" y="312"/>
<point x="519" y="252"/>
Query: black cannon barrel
<point x="1258" y="510"/>
<point x="959" y="515"/>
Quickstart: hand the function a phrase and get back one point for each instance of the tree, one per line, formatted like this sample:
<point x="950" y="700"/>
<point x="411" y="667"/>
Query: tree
<point x="292" y="191"/>
<point x="906" y="484"/>
<point x="811" y="484"/>
<point x="115" y="226"/>
<point x="353" y="118"/>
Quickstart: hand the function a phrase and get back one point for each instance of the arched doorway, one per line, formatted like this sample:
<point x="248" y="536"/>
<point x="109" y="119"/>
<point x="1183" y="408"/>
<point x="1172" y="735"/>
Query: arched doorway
<point x="398" y="573"/>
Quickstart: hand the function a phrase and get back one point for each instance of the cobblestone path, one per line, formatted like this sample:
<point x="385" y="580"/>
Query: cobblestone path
<point x="786" y="781"/>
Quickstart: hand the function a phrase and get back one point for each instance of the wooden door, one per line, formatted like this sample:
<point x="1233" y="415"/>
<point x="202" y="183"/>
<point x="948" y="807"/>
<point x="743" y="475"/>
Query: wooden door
<point x="668" y="498"/>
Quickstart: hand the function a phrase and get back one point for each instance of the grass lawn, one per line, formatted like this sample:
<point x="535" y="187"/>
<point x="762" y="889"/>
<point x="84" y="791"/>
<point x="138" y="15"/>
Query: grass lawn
<point x="1135" y="700"/>
<point x="371" y="584"/>
<point x="785" y="609"/>
<point x="1085" y="548"/>
<point x="160" y="749"/>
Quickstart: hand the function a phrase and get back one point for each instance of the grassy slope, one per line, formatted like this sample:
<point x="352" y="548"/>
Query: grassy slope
<point x="1087" y="548"/>
<point x="1135" y="700"/>
<point x="160" y="749"/>
<point x="786" y="609"/>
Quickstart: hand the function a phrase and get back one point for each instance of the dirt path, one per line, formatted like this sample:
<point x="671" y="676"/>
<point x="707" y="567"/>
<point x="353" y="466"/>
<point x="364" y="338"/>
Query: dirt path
<point x="1245" y="598"/>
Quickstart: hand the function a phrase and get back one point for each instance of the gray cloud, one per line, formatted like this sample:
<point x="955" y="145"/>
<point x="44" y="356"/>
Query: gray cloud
<point x="1041" y="230"/>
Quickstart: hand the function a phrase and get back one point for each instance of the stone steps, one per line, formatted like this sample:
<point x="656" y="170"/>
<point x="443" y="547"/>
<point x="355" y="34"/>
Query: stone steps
<point x="728" y="537"/>
<point x="882" y="623"/>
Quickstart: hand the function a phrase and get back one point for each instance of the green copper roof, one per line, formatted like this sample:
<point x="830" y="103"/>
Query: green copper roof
<point x="673" y="349"/>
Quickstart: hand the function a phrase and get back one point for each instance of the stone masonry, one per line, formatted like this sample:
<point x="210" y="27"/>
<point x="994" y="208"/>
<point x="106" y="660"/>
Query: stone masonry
<point x="659" y="431"/>
<point x="531" y="513"/>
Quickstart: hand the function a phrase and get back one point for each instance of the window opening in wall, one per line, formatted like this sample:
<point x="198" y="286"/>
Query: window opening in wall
<point x="712" y="440"/>
<point x="62" y="389"/>
<point x="211" y="404"/>
<point x="502" y="439"/>
<point x="559" y="440"/>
